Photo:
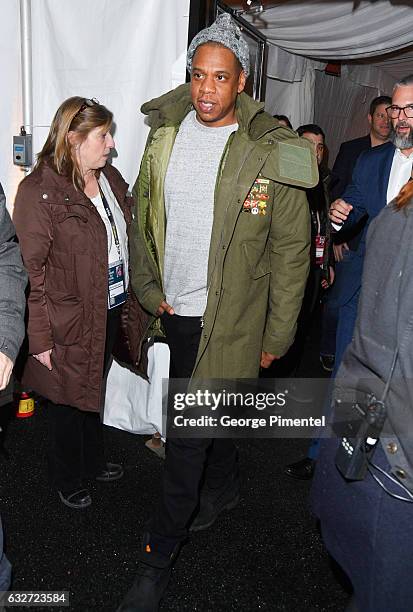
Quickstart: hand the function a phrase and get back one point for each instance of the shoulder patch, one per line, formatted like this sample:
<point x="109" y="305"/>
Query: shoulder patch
<point x="294" y="163"/>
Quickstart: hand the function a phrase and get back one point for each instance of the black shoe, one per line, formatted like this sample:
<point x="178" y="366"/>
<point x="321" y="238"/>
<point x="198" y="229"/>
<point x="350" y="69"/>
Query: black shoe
<point x="327" y="362"/>
<point x="113" y="471"/>
<point x="76" y="499"/>
<point x="301" y="470"/>
<point x="154" y="572"/>
<point x="213" y="502"/>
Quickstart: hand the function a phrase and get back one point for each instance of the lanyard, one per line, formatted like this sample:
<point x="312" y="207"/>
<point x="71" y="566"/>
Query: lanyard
<point x="111" y="220"/>
<point x="318" y="223"/>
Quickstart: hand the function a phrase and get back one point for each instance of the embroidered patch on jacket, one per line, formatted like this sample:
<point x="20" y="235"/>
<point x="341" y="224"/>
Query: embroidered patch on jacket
<point x="256" y="201"/>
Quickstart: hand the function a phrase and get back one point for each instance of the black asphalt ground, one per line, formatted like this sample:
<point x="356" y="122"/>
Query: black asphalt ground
<point x="266" y="554"/>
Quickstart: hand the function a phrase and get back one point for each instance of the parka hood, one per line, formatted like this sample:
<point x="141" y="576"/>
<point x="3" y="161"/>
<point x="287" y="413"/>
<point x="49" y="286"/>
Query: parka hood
<point x="172" y="107"/>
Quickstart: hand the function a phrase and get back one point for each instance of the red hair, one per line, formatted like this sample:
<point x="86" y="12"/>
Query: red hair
<point x="405" y="195"/>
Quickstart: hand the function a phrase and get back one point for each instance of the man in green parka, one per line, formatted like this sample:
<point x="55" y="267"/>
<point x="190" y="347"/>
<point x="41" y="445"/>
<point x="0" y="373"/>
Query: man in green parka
<point x="220" y="256"/>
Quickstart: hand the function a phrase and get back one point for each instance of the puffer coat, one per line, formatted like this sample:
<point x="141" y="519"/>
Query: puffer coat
<point x="64" y="247"/>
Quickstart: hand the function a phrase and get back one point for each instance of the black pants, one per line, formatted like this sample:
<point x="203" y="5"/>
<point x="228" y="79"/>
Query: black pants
<point x="289" y="365"/>
<point x="188" y="461"/>
<point x="75" y="436"/>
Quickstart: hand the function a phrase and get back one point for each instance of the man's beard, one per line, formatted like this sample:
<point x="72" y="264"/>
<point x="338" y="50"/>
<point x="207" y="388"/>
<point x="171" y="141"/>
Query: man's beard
<point x="402" y="142"/>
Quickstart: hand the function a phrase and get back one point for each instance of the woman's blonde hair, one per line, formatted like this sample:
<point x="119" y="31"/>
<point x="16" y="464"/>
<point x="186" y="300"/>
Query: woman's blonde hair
<point x="79" y="115"/>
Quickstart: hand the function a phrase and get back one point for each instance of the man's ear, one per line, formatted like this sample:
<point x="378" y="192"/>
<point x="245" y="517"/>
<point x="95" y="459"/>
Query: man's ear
<point x="242" y="79"/>
<point x="369" y="119"/>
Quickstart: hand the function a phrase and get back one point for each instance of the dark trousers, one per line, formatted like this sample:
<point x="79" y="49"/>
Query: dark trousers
<point x="289" y="364"/>
<point x="347" y="315"/>
<point x="329" y="325"/>
<point x="75" y="436"/>
<point x="188" y="462"/>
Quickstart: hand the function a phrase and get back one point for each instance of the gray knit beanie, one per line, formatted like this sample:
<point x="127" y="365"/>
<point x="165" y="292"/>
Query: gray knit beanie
<point x="227" y="33"/>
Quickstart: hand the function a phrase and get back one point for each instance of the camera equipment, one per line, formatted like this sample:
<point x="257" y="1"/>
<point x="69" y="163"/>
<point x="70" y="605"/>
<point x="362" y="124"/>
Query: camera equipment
<point x="362" y="432"/>
<point x="362" y="427"/>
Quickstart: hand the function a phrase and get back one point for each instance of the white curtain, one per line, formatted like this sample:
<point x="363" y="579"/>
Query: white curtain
<point x="341" y="108"/>
<point x="122" y="52"/>
<point x="336" y="29"/>
<point x="10" y="98"/>
<point x="296" y="99"/>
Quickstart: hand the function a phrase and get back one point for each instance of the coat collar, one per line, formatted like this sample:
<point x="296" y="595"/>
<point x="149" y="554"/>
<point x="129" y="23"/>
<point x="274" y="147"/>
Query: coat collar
<point x="49" y="179"/>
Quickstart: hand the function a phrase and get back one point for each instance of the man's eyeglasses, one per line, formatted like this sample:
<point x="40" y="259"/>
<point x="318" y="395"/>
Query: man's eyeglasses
<point x="394" y="111"/>
<point x="85" y="104"/>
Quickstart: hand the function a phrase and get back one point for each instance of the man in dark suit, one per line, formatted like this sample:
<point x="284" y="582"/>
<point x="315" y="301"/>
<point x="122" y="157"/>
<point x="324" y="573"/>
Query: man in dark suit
<point x="349" y="151"/>
<point x="346" y="241"/>
<point x="344" y="245"/>
<point x="378" y="176"/>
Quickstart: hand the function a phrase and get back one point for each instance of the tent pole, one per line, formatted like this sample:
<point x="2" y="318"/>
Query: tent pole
<point x="26" y="64"/>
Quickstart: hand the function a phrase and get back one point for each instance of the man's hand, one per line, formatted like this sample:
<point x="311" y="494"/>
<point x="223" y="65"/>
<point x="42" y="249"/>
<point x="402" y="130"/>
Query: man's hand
<point x="267" y="359"/>
<point x="338" y="251"/>
<point x="6" y="367"/>
<point x="44" y="358"/>
<point x="327" y="283"/>
<point x="164" y="307"/>
<point x="339" y="211"/>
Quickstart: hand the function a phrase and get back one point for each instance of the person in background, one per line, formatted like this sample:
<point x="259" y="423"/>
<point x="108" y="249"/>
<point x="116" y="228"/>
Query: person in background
<point x="366" y="195"/>
<point x="340" y="310"/>
<point x="71" y="215"/>
<point x="321" y="274"/>
<point x="345" y="243"/>
<point x="13" y="280"/>
<point x="283" y="120"/>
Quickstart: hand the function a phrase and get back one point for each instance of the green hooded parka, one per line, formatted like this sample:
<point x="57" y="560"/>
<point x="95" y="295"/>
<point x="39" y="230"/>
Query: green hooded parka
<point x="258" y="263"/>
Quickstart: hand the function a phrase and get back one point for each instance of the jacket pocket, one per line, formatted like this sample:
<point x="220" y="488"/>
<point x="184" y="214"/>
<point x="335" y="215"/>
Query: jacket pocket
<point x="63" y="216"/>
<point x="258" y="262"/>
<point x="66" y="317"/>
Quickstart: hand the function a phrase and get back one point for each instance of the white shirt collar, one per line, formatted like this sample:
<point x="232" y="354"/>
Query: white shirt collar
<point x="403" y="157"/>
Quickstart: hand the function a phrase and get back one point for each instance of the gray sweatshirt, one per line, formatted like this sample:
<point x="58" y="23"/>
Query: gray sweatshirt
<point x="189" y="205"/>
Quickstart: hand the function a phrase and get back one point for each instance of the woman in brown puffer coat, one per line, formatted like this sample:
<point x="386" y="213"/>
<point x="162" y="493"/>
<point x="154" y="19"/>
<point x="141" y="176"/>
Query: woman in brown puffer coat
<point x="71" y="216"/>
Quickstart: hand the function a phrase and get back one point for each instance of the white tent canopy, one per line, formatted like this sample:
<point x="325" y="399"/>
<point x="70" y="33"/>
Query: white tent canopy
<point x="373" y="40"/>
<point x="337" y="29"/>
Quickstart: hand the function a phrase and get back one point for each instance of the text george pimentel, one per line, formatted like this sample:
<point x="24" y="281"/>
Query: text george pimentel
<point x="248" y="422"/>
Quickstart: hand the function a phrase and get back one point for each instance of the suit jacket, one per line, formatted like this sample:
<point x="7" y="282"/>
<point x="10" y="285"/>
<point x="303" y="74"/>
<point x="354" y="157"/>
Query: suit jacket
<point x="341" y="177"/>
<point x="344" y="165"/>
<point x="368" y="195"/>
